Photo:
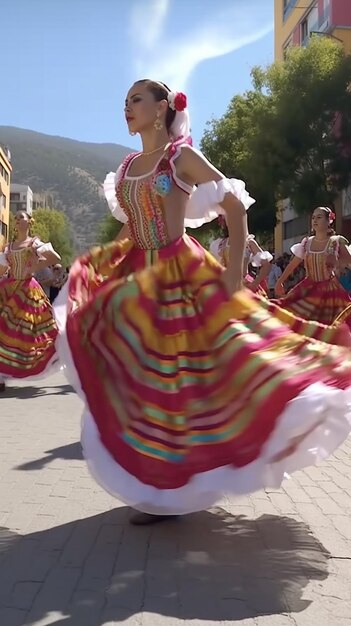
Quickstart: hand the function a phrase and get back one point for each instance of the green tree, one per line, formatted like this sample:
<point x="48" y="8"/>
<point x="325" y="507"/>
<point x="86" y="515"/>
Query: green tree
<point x="206" y="233"/>
<point x="52" y="225"/>
<point x="108" y="229"/>
<point x="290" y="135"/>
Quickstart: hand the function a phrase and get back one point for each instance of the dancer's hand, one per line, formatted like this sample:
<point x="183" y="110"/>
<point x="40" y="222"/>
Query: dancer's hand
<point x="252" y="286"/>
<point x="279" y="289"/>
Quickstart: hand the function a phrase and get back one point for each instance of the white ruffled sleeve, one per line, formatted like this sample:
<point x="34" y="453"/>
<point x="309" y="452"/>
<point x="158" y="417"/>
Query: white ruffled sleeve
<point x="259" y="258"/>
<point x="3" y="259"/>
<point x="203" y="204"/>
<point x="299" y="249"/>
<point x="42" y="248"/>
<point x="110" y="183"/>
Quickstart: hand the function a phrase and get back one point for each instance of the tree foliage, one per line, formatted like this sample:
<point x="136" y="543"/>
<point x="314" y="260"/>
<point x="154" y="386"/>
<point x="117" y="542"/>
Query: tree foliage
<point x="290" y="135"/>
<point x="206" y="233"/>
<point x="109" y="229"/>
<point x="52" y="225"/>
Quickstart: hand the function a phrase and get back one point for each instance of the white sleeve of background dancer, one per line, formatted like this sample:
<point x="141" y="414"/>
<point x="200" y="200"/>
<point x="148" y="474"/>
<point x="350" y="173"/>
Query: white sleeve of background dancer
<point x="204" y="202"/>
<point x="41" y="248"/>
<point x="110" y="183"/>
<point x="214" y="249"/>
<point x="299" y="249"/>
<point x="3" y="259"/>
<point x="258" y="258"/>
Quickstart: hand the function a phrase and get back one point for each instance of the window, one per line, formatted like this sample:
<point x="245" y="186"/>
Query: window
<point x="4" y="173"/>
<point x="304" y="30"/>
<point x="324" y="17"/>
<point x="288" y="6"/>
<point x="15" y="197"/>
<point x="286" y="47"/>
<point x="298" y="226"/>
<point x="3" y="228"/>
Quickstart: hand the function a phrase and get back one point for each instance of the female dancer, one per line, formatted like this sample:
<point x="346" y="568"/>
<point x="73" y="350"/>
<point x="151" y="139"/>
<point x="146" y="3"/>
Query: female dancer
<point x="253" y="255"/>
<point x="190" y="391"/>
<point x="27" y="327"/>
<point x="320" y="296"/>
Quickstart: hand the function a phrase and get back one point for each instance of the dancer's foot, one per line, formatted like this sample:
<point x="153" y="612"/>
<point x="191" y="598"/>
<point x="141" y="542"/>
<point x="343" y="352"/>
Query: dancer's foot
<point x="143" y="519"/>
<point x="2" y="387"/>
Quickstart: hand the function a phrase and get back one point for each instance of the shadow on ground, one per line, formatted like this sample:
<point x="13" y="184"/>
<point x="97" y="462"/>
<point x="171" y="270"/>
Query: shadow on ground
<point x="211" y="565"/>
<point x="21" y="393"/>
<point x="68" y="452"/>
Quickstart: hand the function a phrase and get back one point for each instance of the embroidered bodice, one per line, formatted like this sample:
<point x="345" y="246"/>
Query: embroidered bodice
<point x="21" y="262"/>
<point x="138" y="200"/>
<point x="319" y="265"/>
<point x="141" y="199"/>
<point x="144" y="208"/>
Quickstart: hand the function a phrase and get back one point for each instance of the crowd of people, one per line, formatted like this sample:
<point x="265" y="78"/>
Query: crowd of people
<point x="194" y="382"/>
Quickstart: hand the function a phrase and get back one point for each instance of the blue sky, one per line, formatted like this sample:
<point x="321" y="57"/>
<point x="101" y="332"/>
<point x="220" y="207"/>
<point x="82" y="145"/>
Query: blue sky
<point x="67" y="64"/>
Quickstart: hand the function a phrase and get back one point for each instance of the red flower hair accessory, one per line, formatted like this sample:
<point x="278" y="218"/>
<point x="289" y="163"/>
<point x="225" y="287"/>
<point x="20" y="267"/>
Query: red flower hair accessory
<point x="331" y="217"/>
<point x="177" y="101"/>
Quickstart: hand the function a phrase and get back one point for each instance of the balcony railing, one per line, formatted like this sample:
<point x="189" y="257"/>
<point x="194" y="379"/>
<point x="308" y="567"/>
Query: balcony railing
<point x="319" y="27"/>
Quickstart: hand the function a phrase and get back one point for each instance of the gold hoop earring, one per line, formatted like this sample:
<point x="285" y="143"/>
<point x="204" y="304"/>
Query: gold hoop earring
<point x="158" y="124"/>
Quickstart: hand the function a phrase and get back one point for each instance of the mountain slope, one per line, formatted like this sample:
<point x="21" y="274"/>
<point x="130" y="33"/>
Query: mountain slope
<point x="71" y="171"/>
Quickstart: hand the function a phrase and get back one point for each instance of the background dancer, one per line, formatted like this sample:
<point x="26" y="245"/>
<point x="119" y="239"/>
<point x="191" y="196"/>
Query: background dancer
<point x="319" y="296"/>
<point x="27" y="327"/>
<point x="254" y="255"/>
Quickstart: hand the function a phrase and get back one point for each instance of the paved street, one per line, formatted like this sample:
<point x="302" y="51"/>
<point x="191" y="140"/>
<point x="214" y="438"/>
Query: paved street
<point x="68" y="556"/>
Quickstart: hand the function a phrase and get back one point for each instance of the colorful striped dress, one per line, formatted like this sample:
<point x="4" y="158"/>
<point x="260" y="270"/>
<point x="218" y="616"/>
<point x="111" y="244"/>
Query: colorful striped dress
<point x="190" y="394"/>
<point x="27" y="326"/>
<point x="320" y="296"/>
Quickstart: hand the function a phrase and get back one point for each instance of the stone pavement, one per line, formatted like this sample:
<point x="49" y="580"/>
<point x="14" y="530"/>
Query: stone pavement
<point x="68" y="556"/>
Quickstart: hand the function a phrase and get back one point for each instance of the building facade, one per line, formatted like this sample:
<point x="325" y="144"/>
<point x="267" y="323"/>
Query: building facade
<point x="21" y="198"/>
<point x="42" y="200"/>
<point x="295" y="21"/>
<point x="5" y="182"/>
